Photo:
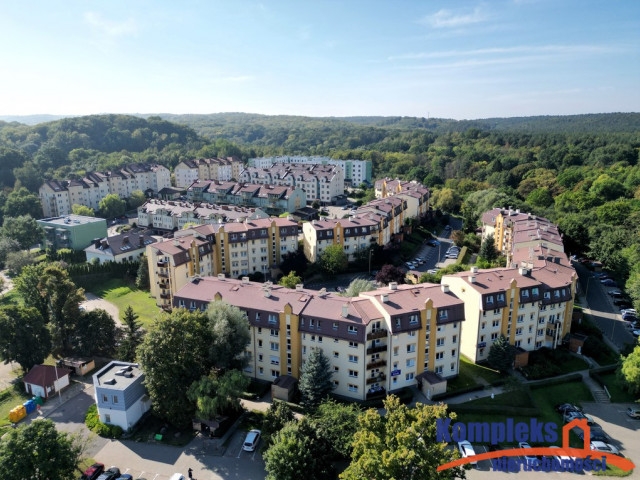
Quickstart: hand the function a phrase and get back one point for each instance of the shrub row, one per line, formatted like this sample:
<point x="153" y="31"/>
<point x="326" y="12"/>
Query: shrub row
<point x="93" y="423"/>
<point x="459" y="391"/>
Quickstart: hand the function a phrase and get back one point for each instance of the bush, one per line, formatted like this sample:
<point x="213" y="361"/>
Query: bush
<point x="93" y="423"/>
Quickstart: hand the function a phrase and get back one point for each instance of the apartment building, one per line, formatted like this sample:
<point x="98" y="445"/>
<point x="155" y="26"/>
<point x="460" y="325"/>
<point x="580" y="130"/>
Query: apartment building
<point x="320" y="182"/>
<point x="356" y="172"/>
<point x="58" y="196"/>
<point x="273" y="199"/>
<point x="513" y="229"/>
<point x="381" y="341"/>
<point x="352" y="234"/>
<point x="223" y="169"/>
<point x="530" y="304"/>
<point x="233" y="249"/>
<point x="125" y="247"/>
<point x="164" y="216"/>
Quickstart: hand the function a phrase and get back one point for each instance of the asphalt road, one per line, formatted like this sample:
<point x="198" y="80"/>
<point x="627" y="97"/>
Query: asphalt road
<point x="600" y="305"/>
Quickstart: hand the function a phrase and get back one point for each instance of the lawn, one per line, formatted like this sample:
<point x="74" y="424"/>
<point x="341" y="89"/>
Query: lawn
<point x="122" y="294"/>
<point x="617" y="392"/>
<point x="541" y="399"/>
<point x="545" y="363"/>
<point x="469" y="374"/>
<point x="10" y="398"/>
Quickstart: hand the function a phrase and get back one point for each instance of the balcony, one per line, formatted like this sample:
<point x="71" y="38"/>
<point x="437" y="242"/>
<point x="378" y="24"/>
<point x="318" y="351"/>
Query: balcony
<point x="376" y="364"/>
<point x="165" y="296"/>
<point x="376" y="349"/>
<point x="163" y="275"/>
<point x="378" y="333"/>
<point x="378" y="378"/>
<point x="376" y="393"/>
<point x="164" y="285"/>
<point x="163" y="264"/>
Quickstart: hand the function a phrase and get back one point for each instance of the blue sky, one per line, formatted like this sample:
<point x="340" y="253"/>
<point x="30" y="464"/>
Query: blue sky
<point x="450" y="59"/>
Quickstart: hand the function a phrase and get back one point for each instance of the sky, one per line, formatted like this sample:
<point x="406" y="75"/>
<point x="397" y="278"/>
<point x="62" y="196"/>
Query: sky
<point x="431" y="58"/>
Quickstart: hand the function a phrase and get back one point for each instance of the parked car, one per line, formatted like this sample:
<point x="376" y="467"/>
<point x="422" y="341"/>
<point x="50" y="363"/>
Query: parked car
<point x="125" y="476"/>
<point x="466" y="450"/>
<point x="596" y="434"/>
<point x="93" y="472"/>
<point x="628" y="310"/>
<point x="251" y="440"/>
<point x="632" y="317"/>
<point x="601" y="275"/>
<point x="567" y="407"/>
<point x="635" y="333"/>
<point x="177" y="476"/>
<point x="112" y="474"/>
<point x="529" y="458"/>
<point x="570" y="416"/>
<point x="562" y="456"/>
<point x="432" y="243"/>
<point x="608" y="282"/>
<point x="604" y="447"/>
<point x="633" y="412"/>
<point x="616" y="293"/>
<point x="451" y="255"/>
<point x="432" y="271"/>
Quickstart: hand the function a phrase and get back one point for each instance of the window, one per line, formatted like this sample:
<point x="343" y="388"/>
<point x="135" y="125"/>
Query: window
<point x="524" y="293"/>
<point x="547" y="295"/>
<point x="107" y="418"/>
<point x="273" y="332"/>
<point x="495" y="323"/>
<point x="489" y="300"/>
<point x="484" y="324"/>
<point x="259" y="357"/>
<point x="352" y="329"/>
<point x="520" y="318"/>
<point x="494" y="336"/>
<point x="411" y="348"/>
<point x="336" y="369"/>
<point x="398" y="322"/>
<point x="412" y="333"/>
<point x="353" y="373"/>
<point x="336" y="354"/>
<point x="443" y="314"/>
<point x="353" y="358"/>
<point x="352" y="387"/>
<point x="275" y="373"/>
<point x="275" y="360"/>
<point x="518" y="331"/>
<point x="274" y="346"/>
<point x="453" y="366"/>
<point x="439" y="369"/>
<point x="395" y="351"/>
<point x="408" y="376"/>
<point x="518" y="342"/>
<point x="353" y="344"/>
<point x="455" y="339"/>
<point x="304" y="350"/>
<point x="439" y="342"/>
<point x="413" y="319"/>
<point x="411" y="362"/>
<point x="496" y="311"/>
<point x="273" y="318"/>
<point x="105" y="399"/>
<point x="439" y="355"/>
<point x="335" y="325"/>
<point x="259" y="343"/>
<point x="535" y="292"/>
<point x="500" y="298"/>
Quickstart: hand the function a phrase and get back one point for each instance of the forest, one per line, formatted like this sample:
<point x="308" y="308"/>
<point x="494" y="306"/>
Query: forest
<point x="580" y="171"/>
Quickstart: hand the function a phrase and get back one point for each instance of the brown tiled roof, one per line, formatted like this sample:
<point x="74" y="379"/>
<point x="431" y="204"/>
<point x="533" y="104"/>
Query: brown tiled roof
<point x="45" y="375"/>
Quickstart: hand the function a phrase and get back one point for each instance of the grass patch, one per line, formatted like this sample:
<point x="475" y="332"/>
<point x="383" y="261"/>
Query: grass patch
<point x="84" y="464"/>
<point x="122" y="294"/>
<point x="545" y="363"/>
<point x="469" y="373"/>
<point x="613" y="471"/>
<point x="616" y="388"/>
<point x="10" y="398"/>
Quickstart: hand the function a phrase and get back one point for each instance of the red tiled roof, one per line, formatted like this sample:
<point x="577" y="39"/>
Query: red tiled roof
<point x="45" y="375"/>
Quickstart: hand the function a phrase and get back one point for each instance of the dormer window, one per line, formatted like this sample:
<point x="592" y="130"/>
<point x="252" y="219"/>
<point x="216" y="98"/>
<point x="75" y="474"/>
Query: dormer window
<point x="547" y="295"/>
<point x="443" y="314"/>
<point x="490" y="300"/>
<point x="535" y="292"/>
<point x="500" y="297"/>
<point x="524" y="293"/>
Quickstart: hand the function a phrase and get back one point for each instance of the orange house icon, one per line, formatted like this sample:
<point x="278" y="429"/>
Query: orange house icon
<point x="582" y="424"/>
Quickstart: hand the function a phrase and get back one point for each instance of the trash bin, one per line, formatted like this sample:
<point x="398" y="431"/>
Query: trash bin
<point x="38" y="399"/>
<point x="29" y="406"/>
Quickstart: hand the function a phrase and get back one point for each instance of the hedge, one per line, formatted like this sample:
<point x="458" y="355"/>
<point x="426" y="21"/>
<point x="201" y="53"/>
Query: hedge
<point x="93" y="423"/>
<point x="463" y="252"/>
<point x="459" y="391"/>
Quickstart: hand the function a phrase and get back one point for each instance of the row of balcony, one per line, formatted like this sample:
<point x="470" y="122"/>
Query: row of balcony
<point x="376" y="349"/>
<point x="378" y="378"/>
<point x="376" y="364"/>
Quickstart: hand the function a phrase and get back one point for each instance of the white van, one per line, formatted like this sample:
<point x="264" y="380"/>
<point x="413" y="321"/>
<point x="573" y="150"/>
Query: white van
<point x="177" y="476"/>
<point x="251" y="440"/>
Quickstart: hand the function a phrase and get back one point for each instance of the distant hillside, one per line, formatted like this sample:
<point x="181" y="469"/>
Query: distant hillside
<point x="33" y="119"/>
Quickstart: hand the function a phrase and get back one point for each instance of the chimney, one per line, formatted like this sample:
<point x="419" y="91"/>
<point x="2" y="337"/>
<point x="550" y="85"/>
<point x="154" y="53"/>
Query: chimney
<point x="445" y="288"/>
<point x="221" y="276"/>
<point x="345" y="310"/>
<point x="393" y="286"/>
<point x="299" y="287"/>
<point x="523" y="271"/>
<point x="472" y="279"/>
<point x="267" y="292"/>
<point x="474" y="269"/>
<point x="384" y="298"/>
<point x="322" y="292"/>
<point x="245" y="280"/>
<point x="176" y="242"/>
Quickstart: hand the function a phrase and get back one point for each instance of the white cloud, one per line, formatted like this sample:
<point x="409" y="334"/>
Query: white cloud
<point x="449" y="19"/>
<point x="109" y="27"/>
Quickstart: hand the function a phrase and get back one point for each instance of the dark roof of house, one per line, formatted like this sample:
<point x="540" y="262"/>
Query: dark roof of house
<point x="45" y="375"/>
<point x="169" y="190"/>
<point x="285" y="381"/>
<point x="431" y="378"/>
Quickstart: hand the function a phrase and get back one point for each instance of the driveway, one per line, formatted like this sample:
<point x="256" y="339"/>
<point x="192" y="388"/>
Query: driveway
<point x="93" y="302"/>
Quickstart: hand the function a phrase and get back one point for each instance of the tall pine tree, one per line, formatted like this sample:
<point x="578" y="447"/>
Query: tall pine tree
<point x="132" y="336"/>
<point x="315" y="379"/>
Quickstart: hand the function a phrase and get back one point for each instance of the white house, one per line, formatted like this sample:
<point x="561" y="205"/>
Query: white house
<point x="45" y="380"/>
<point x="120" y="394"/>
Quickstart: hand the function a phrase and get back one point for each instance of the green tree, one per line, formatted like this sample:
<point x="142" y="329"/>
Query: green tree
<point x="22" y="202"/>
<point x="7" y="245"/>
<point x="540" y="197"/>
<point x="501" y="354"/>
<point x="296" y="450"/>
<point x="229" y="332"/>
<point x="290" y="280"/>
<point x="39" y="452"/>
<point x="401" y="444"/>
<point x="24" y="337"/>
<point x="607" y="245"/>
<point x="132" y="335"/>
<point x="337" y="423"/>
<point x="359" y="285"/>
<point x="488" y="249"/>
<point x="142" y="278"/>
<point x="446" y="200"/>
<point x="315" y="379"/>
<point x="29" y="176"/>
<point x="94" y="334"/>
<point x="277" y="416"/>
<point x="63" y="300"/>
<point x="607" y="188"/>
<point x="24" y="230"/>
<point x="82" y="210"/>
<point x="112" y="206"/>
<point x="174" y="355"/>
<point x="216" y="394"/>
<point x="136" y="199"/>
<point x="333" y="260"/>
<point x="629" y="371"/>
<point x="27" y="286"/>
<point x="458" y="237"/>
<point x="16" y="261"/>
